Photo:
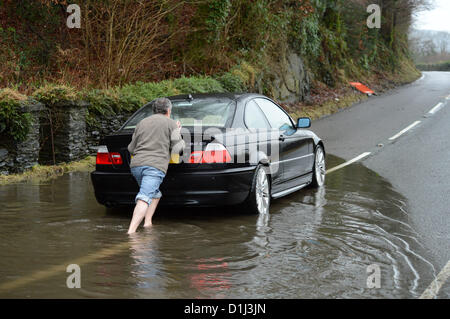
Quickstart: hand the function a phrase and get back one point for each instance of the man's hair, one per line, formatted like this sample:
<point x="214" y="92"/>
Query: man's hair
<point x="161" y="106"/>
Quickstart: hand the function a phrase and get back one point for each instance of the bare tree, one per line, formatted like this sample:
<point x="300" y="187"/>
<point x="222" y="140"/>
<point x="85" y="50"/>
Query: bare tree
<point x="124" y="35"/>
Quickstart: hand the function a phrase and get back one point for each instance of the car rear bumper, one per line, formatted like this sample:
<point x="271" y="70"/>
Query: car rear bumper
<point x="196" y="188"/>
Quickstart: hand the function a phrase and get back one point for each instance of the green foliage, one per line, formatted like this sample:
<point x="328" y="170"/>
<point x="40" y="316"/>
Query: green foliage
<point x="258" y="28"/>
<point x="143" y="92"/>
<point x="14" y="123"/>
<point x="197" y="85"/>
<point x="101" y="102"/>
<point x="131" y="97"/>
<point x="31" y="46"/>
<point x="50" y="94"/>
<point x="333" y="45"/>
<point x="231" y="82"/>
<point x="13" y="57"/>
<point x="217" y="12"/>
<point x="223" y="33"/>
<point x="305" y="36"/>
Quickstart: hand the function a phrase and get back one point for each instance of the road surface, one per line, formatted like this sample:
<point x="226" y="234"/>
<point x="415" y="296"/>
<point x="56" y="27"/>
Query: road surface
<point x="407" y="132"/>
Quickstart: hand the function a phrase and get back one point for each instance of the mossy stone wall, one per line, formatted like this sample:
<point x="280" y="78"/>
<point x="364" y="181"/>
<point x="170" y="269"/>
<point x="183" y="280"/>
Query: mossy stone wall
<point x="63" y="132"/>
<point x="16" y="157"/>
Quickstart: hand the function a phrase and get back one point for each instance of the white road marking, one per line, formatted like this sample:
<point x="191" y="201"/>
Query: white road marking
<point x="433" y="289"/>
<point x="349" y="162"/>
<point x="404" y="131"/>
<point x="436" y="108"/>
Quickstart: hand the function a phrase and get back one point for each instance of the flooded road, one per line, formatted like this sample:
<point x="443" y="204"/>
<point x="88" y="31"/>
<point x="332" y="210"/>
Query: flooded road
<point x="313" y="244"/>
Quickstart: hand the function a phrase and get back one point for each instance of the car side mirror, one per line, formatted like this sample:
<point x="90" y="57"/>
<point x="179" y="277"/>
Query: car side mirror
<point x="304" y="122"/>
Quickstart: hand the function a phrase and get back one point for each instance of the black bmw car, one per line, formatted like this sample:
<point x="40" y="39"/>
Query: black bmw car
<point x="240" y="149"/>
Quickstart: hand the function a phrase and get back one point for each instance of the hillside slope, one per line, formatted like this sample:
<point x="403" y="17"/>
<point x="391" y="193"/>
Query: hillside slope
<point x="297" y="51"/>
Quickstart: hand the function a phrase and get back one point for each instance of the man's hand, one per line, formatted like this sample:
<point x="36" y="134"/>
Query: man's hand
<point x="179" y="124"/>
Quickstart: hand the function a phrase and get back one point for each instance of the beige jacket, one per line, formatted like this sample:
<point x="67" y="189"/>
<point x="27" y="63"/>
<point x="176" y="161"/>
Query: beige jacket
<point x="154" y="140"/>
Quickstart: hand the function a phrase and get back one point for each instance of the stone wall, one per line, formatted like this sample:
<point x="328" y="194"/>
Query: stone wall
<point x="16" y="157"/>
<point x="63" y="133"/>
<point x="58" y="133"/>
<point x="103" y="126"/>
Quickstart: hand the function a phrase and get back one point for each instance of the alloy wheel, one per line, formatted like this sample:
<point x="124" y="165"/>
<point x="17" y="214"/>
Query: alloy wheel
<point x="262" y="192"/>
<point x="320" y="169"/>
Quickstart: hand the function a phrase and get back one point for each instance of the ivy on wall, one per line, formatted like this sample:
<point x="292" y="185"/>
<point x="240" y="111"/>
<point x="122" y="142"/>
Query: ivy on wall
<point x="14" y="124"/>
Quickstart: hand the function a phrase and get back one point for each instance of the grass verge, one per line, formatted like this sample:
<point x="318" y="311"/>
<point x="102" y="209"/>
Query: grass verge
<point x="327" y="107"/>
<point x="41" y="173"/>
<point x="325" y="101"/>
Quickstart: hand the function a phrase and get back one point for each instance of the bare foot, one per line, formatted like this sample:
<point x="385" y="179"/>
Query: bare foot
<point x="148" y="225"/>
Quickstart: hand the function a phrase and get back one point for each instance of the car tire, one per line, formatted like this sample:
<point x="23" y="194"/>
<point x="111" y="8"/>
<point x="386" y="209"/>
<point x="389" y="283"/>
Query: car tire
<point x="319" y="168"/>
<point x="258" y="201"/>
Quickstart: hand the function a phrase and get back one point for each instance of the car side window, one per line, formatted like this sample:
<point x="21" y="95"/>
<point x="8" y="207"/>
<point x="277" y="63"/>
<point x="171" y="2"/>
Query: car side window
<point x="277" y="118"/>
<point x="254" y="117"/>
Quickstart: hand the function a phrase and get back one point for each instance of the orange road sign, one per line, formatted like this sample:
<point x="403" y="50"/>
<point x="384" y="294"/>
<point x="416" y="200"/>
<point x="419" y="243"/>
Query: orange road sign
<point x="362" y="88"/>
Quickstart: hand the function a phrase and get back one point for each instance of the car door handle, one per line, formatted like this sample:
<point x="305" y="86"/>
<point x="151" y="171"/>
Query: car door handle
<point x="281" y="138"/>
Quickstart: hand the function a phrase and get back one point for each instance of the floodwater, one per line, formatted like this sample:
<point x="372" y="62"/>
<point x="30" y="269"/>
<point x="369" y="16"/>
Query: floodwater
<point x="313" y="244"/>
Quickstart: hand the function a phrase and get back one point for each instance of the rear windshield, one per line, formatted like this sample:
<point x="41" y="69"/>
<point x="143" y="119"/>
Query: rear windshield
<point x="207" y="112"/>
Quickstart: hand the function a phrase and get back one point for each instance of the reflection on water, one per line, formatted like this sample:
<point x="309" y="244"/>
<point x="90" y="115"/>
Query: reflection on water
<point x="313" y="244"/>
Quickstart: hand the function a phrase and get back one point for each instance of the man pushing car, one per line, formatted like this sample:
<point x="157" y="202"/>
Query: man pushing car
<point x="154" y="140"/>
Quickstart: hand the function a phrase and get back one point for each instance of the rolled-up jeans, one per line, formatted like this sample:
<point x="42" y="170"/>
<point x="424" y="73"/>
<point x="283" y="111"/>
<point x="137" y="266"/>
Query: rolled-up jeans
<point x="149" y="179"/>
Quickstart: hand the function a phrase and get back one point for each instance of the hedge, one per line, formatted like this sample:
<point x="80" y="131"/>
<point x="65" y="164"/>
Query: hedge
<point x="14" y="124"/>
<point x="127" y="98"/>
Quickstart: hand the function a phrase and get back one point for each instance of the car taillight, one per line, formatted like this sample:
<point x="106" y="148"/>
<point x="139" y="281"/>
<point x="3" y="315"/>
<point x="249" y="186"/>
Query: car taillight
<point x="214" y="153"/>
<point x="104" y="157"/>
<point x="116" y="158"/>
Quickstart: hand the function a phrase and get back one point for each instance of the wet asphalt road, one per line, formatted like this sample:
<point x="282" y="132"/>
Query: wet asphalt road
<point x="417" y="163"/>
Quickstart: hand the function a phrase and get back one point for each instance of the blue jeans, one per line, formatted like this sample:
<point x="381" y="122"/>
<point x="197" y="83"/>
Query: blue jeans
<point x="149" y="179"/>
